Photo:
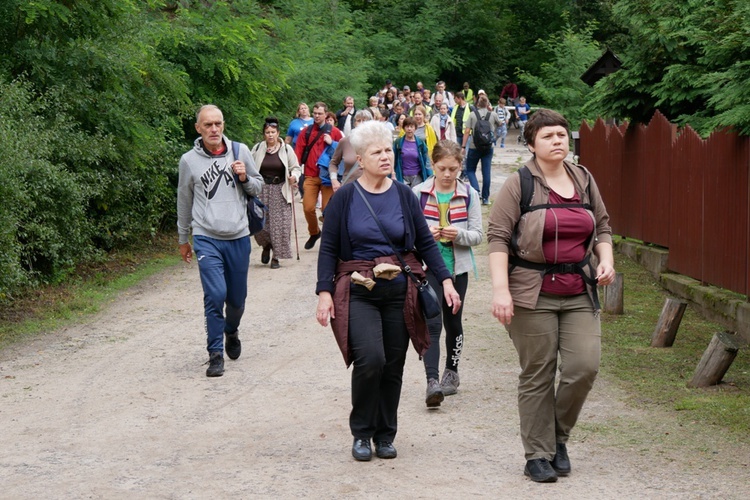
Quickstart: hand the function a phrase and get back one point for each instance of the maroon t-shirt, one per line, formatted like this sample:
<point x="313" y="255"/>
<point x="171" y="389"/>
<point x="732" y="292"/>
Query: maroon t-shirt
<point x="565" y="233"/>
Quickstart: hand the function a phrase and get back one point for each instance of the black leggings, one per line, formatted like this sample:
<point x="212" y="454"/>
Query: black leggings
<point x="454" y="330"/>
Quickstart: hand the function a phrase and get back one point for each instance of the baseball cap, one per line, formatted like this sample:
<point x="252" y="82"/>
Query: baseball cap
<point x="481" y="92"/>
<point x="406" y="87"/>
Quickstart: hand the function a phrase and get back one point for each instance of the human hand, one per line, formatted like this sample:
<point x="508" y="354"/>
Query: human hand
<point x="325" y="308"/>
<point x="327" y="139"/>
<point x="238" y="168"/>
<point x="605" y="273"/>
<point x="292" y="180"/>
<point x="502" y="306"/>
<point x="435" y="230"/>
<point x="452" y="298"/>
<point x="186" y="251"/>
<point x="449" y="233"/>
<point x="335" y="184"/>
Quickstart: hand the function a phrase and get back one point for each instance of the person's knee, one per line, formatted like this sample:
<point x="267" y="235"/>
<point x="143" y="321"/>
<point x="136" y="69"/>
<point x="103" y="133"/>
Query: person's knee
<point x="369" y="365"/>
<point x="580" y="372"/>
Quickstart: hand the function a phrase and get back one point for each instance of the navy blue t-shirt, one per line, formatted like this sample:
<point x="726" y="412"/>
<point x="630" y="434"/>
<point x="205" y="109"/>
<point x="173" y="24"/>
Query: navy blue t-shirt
<point x="367" y="240"/>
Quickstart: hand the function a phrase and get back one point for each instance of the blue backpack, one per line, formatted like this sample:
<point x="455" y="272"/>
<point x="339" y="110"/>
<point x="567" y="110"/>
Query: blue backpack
<point x="256" y="209"/>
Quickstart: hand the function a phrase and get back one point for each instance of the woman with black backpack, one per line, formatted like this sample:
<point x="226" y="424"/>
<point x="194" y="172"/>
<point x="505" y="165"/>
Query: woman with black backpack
<point x="481" y="126"/>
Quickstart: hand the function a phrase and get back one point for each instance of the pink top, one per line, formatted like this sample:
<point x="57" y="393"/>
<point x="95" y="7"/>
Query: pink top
<point x="566" y="231"/>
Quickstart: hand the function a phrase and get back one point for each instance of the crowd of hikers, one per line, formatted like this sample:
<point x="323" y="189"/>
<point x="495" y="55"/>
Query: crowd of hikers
<point x="397" y="226"/>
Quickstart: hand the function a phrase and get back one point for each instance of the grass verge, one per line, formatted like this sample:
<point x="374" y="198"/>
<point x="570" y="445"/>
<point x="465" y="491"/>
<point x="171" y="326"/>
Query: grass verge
<point x="657" y="377"/>
<point x="51" y="307"/>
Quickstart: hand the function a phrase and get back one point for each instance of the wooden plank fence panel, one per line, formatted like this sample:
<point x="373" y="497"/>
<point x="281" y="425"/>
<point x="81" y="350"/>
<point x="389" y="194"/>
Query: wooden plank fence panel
<point x="656" y="157"/>
<point x="725" y="215"/>
<point x="632" y="180"/>
<point x="686" y="207"/>
<point x="685" y="193"/>
<point x="601" y="153"/>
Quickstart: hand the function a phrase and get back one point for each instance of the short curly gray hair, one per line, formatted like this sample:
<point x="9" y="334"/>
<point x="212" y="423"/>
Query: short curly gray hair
<point x="369" y="133"/>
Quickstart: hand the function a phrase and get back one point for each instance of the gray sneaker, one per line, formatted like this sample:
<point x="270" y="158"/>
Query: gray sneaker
<point x="435" y="395"/>
<point x="450" y="382"/>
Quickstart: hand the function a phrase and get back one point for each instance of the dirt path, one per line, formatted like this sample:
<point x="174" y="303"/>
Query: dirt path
<point x="119" y="407"/>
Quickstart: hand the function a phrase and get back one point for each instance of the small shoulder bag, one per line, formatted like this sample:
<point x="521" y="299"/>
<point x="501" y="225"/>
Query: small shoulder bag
<point x="256" y="209"/>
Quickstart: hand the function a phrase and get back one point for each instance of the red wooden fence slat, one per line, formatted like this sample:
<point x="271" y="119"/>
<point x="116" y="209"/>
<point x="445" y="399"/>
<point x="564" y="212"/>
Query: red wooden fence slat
<point x="725" y="201"/>
<point x="686" y="207"/>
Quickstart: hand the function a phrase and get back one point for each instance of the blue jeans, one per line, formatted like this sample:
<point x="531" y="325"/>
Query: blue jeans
<point x="223" y="266"/>
<point x="472" y="159"/>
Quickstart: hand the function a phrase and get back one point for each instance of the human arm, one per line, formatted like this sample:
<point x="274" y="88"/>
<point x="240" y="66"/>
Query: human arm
<point x="330" y="242"/>
<point x="253" y="182"/>
<point x="293" y="165"/>
<point x="503" y="217"/>
<point x="424" y="155"/>
<point x="470" y="123"/>
<point x="184" y="208"/>
<point x="502" y="302"/>
<point x="605" y="270"/>
<point x="333" y="166"/>
<point x="473" y="234"/>
<point x="325" y="309"/>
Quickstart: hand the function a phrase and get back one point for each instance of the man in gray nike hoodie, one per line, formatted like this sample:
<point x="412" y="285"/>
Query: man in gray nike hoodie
<point x="212" y="201"/>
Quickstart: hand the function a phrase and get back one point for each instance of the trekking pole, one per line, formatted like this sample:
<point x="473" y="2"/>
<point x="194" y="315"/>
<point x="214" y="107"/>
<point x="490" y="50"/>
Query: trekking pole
<point x="294" y="221"/>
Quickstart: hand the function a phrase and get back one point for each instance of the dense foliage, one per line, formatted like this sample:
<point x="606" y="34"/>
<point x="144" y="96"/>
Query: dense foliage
<point x="97" y="96"/>
<point x="688" y="58"/>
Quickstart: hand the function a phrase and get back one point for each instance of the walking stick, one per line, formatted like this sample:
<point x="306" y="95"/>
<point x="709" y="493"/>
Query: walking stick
<point x="294" y="221"/>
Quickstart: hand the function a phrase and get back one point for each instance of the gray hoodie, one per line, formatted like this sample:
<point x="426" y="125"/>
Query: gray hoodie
<point x="210" y="198"/>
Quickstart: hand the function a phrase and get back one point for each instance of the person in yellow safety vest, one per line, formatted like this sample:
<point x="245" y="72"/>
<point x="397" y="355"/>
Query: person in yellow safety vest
<point x="460" y="115"/>
<point x="468" y="93"/>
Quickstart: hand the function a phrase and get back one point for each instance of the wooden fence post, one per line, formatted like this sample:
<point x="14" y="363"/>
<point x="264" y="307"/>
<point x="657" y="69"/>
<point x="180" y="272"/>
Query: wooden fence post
<point x="716" y="360"/>
<point x="669" y="323"/>
<point x="613" y="294"/>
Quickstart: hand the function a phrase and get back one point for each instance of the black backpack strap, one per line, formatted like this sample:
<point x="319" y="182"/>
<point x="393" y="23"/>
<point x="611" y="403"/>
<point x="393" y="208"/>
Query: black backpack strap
<point x="565" y="268"/>
<point x="309" y="145"/>
<point x="527" y="188"/>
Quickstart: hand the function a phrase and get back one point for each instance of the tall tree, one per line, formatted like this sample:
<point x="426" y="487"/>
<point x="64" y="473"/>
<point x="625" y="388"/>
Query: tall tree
<point x="558" y="84"/>
<point x="688" y="59"/>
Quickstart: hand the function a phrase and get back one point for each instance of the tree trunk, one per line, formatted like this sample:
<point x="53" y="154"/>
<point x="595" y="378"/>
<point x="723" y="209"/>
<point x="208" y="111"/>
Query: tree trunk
<point x="669" y="323"/>
<point x="716" y="360"/>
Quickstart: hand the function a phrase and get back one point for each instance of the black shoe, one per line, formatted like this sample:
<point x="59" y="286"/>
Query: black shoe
<point x="275" y="263"/>
<point x="215" y="365"/>
<point x="311" y="241"/>
<point x="361" y="450"/>
<point x="561" y="461"/>
<point x="233" y="345"/>
<point x="385" y="449"/>
<point x="266" y="255"/>
<point x="540" y="471"/>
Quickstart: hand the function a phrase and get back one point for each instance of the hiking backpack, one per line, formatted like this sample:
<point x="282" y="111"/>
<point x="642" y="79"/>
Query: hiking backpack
<point x="527" y="194"/>
<point x="482" y="134"/>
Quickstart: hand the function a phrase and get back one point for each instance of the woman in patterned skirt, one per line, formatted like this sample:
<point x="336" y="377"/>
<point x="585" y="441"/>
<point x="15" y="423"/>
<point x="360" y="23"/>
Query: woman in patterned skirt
<point x="280" y="170"/>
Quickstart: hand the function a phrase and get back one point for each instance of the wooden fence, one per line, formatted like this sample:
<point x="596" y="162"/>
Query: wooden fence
<point x="669" y="187"/>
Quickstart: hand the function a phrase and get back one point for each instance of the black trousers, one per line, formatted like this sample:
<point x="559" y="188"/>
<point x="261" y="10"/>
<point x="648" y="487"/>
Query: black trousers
<point x="378" y="340"/>
<point x="454" y="330"/>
